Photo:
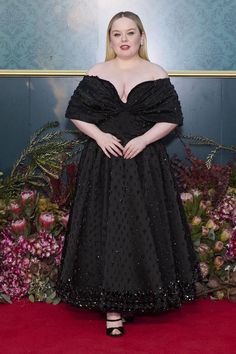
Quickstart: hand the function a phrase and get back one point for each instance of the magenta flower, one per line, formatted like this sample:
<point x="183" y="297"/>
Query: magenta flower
<point x="44" y="245"/>
<point x="14" y="265"/>
<point x="231" y="247"/>
<point x="226" y="211"/>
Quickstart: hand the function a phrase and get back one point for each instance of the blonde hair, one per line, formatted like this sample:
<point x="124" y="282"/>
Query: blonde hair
<point x="110" y="54"/>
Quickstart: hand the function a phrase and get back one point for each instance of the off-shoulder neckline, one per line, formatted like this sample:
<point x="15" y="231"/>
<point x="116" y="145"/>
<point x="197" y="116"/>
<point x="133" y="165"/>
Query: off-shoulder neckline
<point x="115" y="90"/>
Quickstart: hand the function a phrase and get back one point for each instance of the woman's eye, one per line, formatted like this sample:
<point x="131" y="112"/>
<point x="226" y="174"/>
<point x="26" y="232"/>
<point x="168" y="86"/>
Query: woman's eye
<point x="118" y="34"/>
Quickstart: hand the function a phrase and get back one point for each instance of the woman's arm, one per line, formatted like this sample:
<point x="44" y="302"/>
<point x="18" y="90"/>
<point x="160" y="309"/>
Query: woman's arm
<point x="136" y="145"/>
<point x="107" y="142"/>
<point x="158" y="131"/>
<point x="89" y="129"/>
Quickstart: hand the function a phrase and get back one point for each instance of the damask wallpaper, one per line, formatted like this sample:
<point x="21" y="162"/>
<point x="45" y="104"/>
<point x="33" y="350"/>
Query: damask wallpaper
<point x="70" y="34"/>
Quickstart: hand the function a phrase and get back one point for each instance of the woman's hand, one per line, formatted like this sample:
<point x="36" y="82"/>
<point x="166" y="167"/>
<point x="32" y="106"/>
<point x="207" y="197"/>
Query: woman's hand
<point x="134" y="147"/>
<point x="109" y="142"/>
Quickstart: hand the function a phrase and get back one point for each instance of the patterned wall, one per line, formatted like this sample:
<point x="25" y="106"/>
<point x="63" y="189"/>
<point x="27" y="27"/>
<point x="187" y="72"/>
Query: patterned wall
<point x="70" y="34"/>
<point x="26" y="104"/>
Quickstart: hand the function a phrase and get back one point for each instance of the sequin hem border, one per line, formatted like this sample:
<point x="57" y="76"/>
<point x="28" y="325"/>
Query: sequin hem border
<point x="141" y="302"/>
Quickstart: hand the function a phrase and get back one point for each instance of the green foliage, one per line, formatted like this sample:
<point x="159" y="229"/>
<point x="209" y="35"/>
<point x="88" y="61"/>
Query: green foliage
<point x="5" y="299"/>
<point x="201" y="140"/>
<point x="42" y="289"/>
<point x="42" y="159"/>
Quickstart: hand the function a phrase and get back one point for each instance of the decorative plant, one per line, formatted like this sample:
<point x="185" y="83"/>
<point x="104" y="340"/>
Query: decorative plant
<point x="33" y="220"/>
<point x="30" y="247"/>
<point x="42" y="163"/>
<point x="35" y="202"/>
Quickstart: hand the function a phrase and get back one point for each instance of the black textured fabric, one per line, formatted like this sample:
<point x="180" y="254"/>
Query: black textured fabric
<point x="128" y="245"/>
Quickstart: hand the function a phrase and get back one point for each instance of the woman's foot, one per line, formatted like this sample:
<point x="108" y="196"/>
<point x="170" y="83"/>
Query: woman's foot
<point x="114" y="324"/>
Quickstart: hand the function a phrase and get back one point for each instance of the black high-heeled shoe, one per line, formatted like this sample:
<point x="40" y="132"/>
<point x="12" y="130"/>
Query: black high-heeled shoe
<point x="110" y="329"/>
<point x="127" y="318"/>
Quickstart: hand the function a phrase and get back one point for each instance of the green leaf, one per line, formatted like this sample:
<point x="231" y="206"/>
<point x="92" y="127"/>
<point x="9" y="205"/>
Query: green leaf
<point x="56" y="301"/>
<point x="53" y="295"/>
<point x="48" y="300"/>
<point x="211" y="235"/>
<point x="5" y="298"/>
<point x="31" y="298"/>
<point x="197" y="242"/>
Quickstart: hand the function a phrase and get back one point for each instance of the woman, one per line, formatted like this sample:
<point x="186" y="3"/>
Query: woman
<point x="128" y="248"/>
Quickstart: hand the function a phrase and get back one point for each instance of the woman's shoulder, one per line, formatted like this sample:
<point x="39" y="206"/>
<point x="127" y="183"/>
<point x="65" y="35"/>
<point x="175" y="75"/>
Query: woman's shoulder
<point x="158" y="72"/>
<point x="96" y="69"/>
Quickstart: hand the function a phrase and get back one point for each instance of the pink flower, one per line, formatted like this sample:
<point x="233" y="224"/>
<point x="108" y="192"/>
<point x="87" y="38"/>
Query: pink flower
<point x="27" y="196"/>
<point x="64" y="219"/>
<point x="203" y="248"/>
<point x="204" y="269"/>
<point x="231" y="247"/>
<point x="26" y="262"/>
<point x="44" y="245"/>
<point x="196" y="192"/>
<point x="47" y="220"/>
<point x="226" y="210"/>
<point x="218" y="262"/>
<point x="205" y="204"/>
<point x="218" y="246"/>
<point x="185" y="197"/>
<point x="19" y="226"/>
<point x="15" y="208"/>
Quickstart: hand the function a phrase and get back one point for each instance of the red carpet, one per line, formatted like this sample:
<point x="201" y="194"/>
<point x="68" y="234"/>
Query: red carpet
<point x="202" y="326"/>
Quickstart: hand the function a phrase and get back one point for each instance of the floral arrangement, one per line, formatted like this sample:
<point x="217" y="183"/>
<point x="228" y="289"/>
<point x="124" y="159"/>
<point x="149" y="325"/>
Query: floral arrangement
<point x="34" y="209"/>
<point x="213" y="233"/>
<point x="209" y="199"/>
<point x="30" y="247"/>
<point x="34" y="204"/>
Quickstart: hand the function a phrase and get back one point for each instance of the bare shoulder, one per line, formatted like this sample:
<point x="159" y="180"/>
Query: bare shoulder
<point x="96" y="69"/>
<point x="158" y="71"/>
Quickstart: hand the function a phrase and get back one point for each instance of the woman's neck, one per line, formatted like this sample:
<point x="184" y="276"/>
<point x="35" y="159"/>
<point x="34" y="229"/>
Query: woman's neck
<point x="126" y="64"/>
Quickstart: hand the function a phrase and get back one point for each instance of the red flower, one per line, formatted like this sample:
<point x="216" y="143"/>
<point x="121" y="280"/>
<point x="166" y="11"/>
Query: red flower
<point x="19" y="226"/>
<point x="47" y="220"/>
<point x="64" y="219"/>
<point x="15" y="208"/>
<point x="27" y="196"/>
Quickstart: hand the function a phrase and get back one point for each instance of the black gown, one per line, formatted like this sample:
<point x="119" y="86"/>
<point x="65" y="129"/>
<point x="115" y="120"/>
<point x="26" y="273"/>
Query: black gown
<point x="128" y="245"/>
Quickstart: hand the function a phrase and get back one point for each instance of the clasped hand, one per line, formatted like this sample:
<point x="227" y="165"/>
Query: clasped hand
<point x="111" y="144"/>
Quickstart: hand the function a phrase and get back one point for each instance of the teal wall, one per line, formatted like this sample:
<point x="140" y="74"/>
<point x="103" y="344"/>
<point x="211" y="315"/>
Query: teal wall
<point x="26" y="104"/>
<point x="70" y="34"/>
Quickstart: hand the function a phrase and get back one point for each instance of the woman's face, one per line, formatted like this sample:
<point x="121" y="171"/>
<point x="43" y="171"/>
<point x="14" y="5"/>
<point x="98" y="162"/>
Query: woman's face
<point x="125" y="38"/>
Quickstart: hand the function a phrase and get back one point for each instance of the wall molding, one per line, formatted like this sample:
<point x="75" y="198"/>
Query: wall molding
<point x="64" y="73"/>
